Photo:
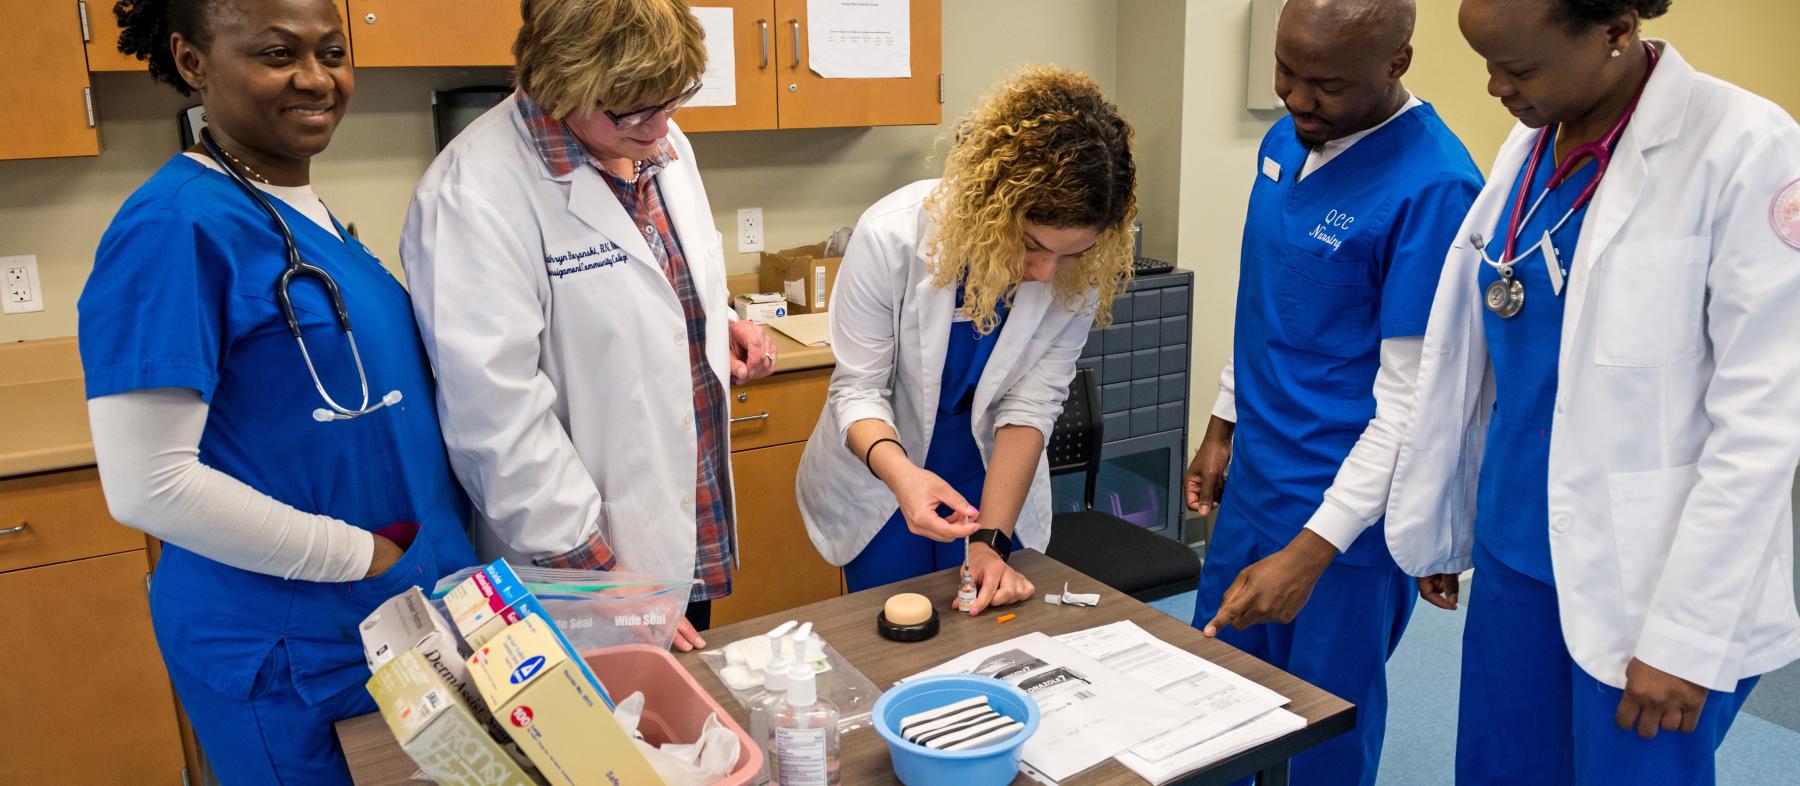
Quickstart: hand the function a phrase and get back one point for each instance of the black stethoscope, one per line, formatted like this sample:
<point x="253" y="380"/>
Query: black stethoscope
<point x="1506" y="297"/>
<point x="298" y="267"/>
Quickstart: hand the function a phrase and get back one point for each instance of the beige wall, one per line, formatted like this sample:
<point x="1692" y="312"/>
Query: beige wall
<point x="1743" y="41"/>
<point x="807" y="182"/>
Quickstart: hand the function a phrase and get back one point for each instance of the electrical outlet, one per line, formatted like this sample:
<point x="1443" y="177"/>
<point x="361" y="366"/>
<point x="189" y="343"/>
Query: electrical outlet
<point x="750" y="229"/>
<point x="23" y="293"/>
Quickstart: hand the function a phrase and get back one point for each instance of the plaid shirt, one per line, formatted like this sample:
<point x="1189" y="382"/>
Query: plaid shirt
<point x="562" y="152"/>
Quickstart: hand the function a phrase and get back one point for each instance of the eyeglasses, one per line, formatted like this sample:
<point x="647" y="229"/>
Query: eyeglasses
<point x="631" y="120"/>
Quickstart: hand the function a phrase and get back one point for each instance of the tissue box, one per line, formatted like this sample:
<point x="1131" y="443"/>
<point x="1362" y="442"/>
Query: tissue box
<point x="408" y="623"/>
<point x="804" y="275"/>
<point x="551" y="710"/>
<point x="760" y="307"/>
<point x="437" y="728"/>
<point x="485" y="604"/>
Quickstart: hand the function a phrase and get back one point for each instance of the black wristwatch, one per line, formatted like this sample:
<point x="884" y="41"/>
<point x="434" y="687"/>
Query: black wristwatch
<point x="997" y="540"/>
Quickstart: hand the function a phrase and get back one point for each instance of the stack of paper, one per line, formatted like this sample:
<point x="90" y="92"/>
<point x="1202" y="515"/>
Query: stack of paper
<point x="813" y="330"/>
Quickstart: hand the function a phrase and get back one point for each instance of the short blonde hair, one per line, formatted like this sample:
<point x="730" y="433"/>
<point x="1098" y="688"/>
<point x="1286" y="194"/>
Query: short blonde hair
<point x="621" y="55"/>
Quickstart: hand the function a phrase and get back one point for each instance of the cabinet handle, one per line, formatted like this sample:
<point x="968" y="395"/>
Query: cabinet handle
<point x="23" y="524"/>
<point x="762" y="33"/>
<point x="795" y="25"/>
<point x="735" y="421"/>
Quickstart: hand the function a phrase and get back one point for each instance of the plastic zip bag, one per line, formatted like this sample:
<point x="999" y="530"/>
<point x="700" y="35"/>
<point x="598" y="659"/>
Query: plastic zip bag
<point x="596" y="608"/>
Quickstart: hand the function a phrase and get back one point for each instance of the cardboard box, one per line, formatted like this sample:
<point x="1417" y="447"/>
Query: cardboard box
<point x="408" y="623"/>
<point x="437" y="728"/>
<point x="761" y="306"/>
<point x="486" y="604"/>
<point x="804" y="275"/>
<point x="551" y="710"/>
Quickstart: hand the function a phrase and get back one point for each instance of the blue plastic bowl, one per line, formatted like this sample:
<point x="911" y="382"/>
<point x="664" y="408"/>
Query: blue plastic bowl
<point x="917" y="765"/>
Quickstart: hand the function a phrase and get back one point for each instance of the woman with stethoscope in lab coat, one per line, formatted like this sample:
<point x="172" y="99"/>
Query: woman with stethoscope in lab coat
<point x="1608" y="413"/>
<point x="960" y="309"/>
<point x="570" y="287"/>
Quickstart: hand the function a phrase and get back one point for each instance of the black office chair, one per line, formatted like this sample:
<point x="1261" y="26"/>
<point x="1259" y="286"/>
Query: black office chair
<point x="1122" y="555"/>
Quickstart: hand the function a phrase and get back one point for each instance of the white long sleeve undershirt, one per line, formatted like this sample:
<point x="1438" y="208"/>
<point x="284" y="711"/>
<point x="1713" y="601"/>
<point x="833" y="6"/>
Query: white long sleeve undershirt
<point x="147" y="445"/>
<point x="1358" y="495"/>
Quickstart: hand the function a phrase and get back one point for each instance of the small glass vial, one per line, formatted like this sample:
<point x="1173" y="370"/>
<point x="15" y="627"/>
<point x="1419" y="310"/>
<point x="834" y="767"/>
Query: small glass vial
<point x="966" y="594"/>
<point x="804" y="733"/>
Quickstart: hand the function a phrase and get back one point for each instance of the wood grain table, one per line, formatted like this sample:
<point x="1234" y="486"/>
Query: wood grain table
<point x="848" y="622"/>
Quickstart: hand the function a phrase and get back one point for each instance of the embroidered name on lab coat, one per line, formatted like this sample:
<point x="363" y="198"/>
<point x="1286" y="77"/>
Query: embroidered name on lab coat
<point x="584" y="259"/>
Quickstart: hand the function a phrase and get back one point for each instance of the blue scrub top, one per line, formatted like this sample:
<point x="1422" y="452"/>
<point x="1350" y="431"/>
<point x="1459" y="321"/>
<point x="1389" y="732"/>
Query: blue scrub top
<point x="1330" y="267"/>
<point x="953" y="454"/>
<point x="1512" y="505"/>
<point x="183" y="295"/>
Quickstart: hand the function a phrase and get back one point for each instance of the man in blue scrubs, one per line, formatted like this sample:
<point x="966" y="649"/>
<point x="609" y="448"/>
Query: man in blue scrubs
<point x="1358" y="195"/>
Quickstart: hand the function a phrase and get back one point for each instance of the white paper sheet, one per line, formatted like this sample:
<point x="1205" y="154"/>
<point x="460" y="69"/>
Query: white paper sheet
<point x="859" y="39"/>
<point x="718" y="84"/>
<point x="813" y="330"/>
<point x="1269" y="726"/>
<point x="1089" y="711"/>
<point x="1225" y="699"/>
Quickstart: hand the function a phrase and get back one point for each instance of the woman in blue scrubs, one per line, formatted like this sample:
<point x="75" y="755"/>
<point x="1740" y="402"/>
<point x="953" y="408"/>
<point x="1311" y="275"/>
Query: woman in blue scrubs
<point x="1608" y="425"/>
<point x="289" y="506"/>
<point x="959" y="311"/>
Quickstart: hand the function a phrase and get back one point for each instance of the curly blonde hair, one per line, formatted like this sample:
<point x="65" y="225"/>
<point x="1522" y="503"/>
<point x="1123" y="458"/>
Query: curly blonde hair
<point x="1048" y="148"/>
<point x="575" y="55"/>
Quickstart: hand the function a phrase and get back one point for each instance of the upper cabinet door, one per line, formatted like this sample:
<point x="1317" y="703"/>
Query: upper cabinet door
<point x="45" y="107"/>
<point x="753" y="57"/>
<point x="810" y="101"/>
<point x="103" y="39"/>
<point x="432" y="32"/>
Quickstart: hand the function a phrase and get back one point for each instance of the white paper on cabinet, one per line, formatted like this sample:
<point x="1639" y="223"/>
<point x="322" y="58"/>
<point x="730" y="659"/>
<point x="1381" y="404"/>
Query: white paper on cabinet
<point x="718" y="85"/>
<point x="859" y="39"/>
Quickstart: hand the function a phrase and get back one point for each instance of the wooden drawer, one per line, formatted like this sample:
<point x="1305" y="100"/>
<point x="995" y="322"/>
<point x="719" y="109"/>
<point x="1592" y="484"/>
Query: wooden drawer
<point x="778" y="410"/>
<point x="64" y="518"/>
<point x="83" y="680"/>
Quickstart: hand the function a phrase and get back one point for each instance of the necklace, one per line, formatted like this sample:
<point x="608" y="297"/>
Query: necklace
<point x="245" y="167"/>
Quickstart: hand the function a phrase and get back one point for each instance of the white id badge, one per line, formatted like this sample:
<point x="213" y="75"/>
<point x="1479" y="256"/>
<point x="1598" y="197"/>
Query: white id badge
<point x="1271" y="170"/>
<point x="1552" y="265"/>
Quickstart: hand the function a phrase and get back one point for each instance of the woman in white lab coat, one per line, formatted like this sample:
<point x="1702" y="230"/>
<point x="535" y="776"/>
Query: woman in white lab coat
<point x="960" y="309"/>
<point x="1608" y="412"/>
<point x="570" y="287"/>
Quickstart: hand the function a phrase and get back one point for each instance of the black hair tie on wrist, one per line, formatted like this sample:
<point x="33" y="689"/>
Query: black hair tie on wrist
<point x="871" y="450"/>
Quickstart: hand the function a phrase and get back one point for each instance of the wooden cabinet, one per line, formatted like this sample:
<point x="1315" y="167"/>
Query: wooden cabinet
<point x="807" y="100"/>
<point x="753" y="42"/>
<point x="82" y="678"/>
<point x="102" y="28"/>
<point x="432" y="32"/>
<point x="780" y="567"/>
<point x="45" y="103"/>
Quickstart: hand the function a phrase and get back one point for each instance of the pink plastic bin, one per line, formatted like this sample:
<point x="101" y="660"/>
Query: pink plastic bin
<point x="675" y="706"/>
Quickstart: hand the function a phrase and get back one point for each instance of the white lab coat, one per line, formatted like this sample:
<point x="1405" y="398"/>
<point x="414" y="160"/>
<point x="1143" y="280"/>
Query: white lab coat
<point x="566" y="400"/>
<point x="890" y="328"/>
<point x="1677" y="402"/>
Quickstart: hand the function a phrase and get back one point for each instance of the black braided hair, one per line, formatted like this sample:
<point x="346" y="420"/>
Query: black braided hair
<point x="1582" y="14"/>
<point x="145" y="27"/>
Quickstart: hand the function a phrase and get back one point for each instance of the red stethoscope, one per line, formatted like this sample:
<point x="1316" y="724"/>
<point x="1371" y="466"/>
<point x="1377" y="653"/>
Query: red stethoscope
<point x="1506" y="297"/>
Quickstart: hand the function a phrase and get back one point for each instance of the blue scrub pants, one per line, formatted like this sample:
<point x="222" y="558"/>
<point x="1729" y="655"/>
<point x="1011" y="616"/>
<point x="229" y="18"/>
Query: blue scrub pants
<point x="274" y="737"/>
<point x="896" y="554"/>
<point x="1340" y="642"/>
<point x="1529" y="714"/>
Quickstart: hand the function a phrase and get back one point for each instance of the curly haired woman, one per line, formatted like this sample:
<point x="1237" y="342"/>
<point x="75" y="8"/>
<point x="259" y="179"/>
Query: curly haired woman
<point x="959" y="312"/>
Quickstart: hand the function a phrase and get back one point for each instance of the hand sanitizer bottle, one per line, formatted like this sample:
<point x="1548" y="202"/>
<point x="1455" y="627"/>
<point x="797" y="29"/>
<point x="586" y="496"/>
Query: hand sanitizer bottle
<point x="804" y="729"/>
<point x="775" y="684"/>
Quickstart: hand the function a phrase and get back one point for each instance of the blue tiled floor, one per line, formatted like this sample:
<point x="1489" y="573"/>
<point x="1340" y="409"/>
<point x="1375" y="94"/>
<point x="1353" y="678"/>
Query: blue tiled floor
<point x="1763" y="747"/>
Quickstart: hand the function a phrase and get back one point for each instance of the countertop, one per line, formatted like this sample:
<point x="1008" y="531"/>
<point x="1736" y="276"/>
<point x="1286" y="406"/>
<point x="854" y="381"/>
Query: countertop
<point x="41" y="393"/>
<point x="45" y="404"/>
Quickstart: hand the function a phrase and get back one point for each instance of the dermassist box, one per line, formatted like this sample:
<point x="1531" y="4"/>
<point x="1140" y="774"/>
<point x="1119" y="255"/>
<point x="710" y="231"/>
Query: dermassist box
<point x="437" y="728"/>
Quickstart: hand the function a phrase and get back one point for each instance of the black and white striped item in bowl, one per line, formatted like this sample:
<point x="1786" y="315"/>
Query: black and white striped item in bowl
<point x="969" y="723"/>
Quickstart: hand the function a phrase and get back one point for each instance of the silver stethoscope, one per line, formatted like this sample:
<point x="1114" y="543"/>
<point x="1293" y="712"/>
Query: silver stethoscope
<point x="298" y="267"/>
<point x="1506" y="297"/>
